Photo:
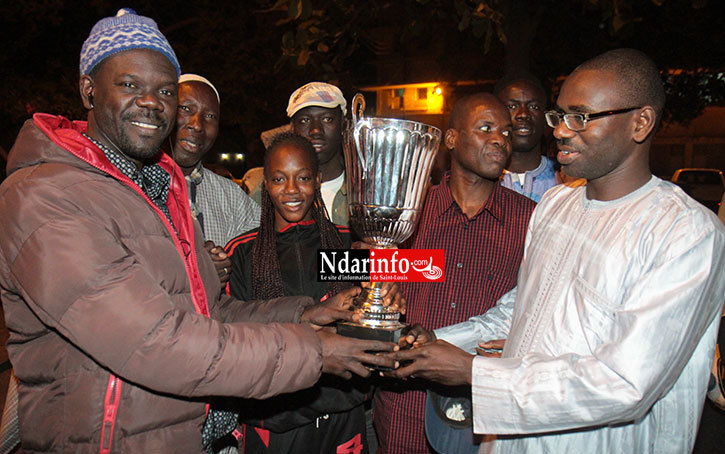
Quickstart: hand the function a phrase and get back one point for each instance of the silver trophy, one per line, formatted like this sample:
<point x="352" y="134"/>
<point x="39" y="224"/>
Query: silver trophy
<point x="388" y="163"/>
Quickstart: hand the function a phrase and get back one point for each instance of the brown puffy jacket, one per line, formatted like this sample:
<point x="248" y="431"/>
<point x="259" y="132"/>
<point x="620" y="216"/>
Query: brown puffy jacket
<point x="96" y="285"/>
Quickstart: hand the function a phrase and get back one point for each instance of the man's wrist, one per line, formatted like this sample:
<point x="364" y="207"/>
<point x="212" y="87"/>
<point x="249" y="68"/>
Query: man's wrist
<point x="302" y="315"/>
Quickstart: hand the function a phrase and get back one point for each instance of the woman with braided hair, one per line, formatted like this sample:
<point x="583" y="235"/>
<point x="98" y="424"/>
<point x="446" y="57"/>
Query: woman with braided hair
<point x="277" y="259"/>
<point x="291" y="199"/>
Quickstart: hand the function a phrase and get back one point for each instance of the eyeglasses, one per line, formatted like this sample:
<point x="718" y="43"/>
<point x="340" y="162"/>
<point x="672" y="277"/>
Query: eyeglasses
<point x="578" y="121"/>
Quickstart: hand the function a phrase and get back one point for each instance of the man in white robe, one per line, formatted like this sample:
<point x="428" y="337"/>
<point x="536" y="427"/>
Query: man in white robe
<point x="611" y="329"/>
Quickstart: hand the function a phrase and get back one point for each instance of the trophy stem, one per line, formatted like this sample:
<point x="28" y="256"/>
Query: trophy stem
<point x="374" y="313"/>
<point x="377" y="322"/>
<point x="374" y="294"/>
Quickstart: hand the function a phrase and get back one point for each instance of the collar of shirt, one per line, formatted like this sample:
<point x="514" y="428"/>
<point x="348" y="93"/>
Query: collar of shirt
<point x="295" y="224"/>
<point x="152" y="179"/>
<point x="196" y="175"/>
<point x="492" y="205"/>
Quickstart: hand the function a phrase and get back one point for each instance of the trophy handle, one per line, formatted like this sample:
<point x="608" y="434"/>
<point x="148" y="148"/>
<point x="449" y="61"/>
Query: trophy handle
<point x="357" y="111"/>
<point x="357" y="108"/>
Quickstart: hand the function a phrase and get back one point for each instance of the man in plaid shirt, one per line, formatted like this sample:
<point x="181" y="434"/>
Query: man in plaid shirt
<point x="222" y="208"/>
<point x="481" y="226"/>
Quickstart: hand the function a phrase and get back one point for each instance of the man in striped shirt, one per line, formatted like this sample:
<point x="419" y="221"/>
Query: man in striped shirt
<point x="222" y="207"/>
<point x="482" y="226"/>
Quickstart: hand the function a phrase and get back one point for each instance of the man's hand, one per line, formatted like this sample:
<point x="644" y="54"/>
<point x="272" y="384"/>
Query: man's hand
<point x="492" y="349"/>
<point x="344" y="356"/>
<point x="222" y="263"/>
<point x="416" y="336"/>
<point x="332" y="309"/>
<point x="436" y="361"/>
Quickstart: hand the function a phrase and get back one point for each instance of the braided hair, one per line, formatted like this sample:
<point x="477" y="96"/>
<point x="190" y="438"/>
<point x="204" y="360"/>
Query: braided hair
<point x="266" y="272"/>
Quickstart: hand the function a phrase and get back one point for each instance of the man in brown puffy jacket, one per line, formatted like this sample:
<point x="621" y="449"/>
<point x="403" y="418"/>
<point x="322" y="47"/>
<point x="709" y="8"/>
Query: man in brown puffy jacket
<point x="116" y="332"/>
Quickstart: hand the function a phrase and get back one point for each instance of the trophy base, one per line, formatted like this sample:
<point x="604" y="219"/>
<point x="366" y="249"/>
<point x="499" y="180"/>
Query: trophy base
<point x="385" y="334"/>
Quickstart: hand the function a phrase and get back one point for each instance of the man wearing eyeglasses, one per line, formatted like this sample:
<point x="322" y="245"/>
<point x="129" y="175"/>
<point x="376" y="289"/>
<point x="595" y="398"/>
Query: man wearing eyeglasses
<point x="611" y="328"/>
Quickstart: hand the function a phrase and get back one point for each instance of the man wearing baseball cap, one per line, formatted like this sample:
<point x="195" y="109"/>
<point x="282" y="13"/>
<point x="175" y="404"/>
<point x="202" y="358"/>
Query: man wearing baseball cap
<point x="110" y="299"/>
<point x="317" y="112"/>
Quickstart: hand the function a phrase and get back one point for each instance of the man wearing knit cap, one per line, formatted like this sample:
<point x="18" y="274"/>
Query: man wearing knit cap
<point x="317" y="112"/>
<point x="110" y="299"/>
<point x="222" y="208"/>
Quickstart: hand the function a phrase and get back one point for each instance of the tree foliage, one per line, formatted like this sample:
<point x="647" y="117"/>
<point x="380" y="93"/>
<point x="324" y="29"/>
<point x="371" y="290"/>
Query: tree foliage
<point x="258" y="51"/>
<point x="547" y="37"/>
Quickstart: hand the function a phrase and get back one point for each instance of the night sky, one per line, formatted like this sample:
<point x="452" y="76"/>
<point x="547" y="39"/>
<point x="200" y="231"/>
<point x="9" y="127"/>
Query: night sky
<point x="239" y="46"/>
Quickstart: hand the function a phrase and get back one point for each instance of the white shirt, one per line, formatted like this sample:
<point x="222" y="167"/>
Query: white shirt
<point x="329" y="189"/>
<point x="611" y="328"/>
<point x="519" y="177"/>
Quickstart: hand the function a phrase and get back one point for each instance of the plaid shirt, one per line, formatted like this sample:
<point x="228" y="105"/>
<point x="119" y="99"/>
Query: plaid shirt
<point x="226" y="209"/>
<point x="483" y="254"/>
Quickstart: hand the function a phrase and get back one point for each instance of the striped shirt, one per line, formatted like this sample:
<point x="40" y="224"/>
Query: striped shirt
<point x="482" y="254"/>
<point x="228" y="211"/>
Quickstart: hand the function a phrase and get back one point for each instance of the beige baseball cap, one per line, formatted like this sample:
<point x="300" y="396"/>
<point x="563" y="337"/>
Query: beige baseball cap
<point x="316" y="94"/>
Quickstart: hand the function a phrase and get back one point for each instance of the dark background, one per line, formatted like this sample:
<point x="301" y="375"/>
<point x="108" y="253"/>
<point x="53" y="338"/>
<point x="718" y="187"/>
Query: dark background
<point x="258" y="51"/>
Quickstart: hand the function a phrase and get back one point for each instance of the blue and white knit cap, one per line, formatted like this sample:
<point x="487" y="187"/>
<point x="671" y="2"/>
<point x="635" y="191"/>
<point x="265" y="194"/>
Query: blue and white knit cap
<point x="127" y="30"/>
<point x="197" y="78"/>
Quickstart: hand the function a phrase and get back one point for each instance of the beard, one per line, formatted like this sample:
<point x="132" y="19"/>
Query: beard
<point x="140" y="151"/>
<point x="591" y="163"/>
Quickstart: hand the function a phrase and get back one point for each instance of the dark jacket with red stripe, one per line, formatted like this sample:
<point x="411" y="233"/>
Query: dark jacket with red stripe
<point x="113" y="317"/>
<point x="328" y="418"/>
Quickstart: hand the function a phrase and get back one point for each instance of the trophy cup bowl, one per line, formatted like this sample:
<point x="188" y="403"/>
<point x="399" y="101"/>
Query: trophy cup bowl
<point x="388" y="163"/>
